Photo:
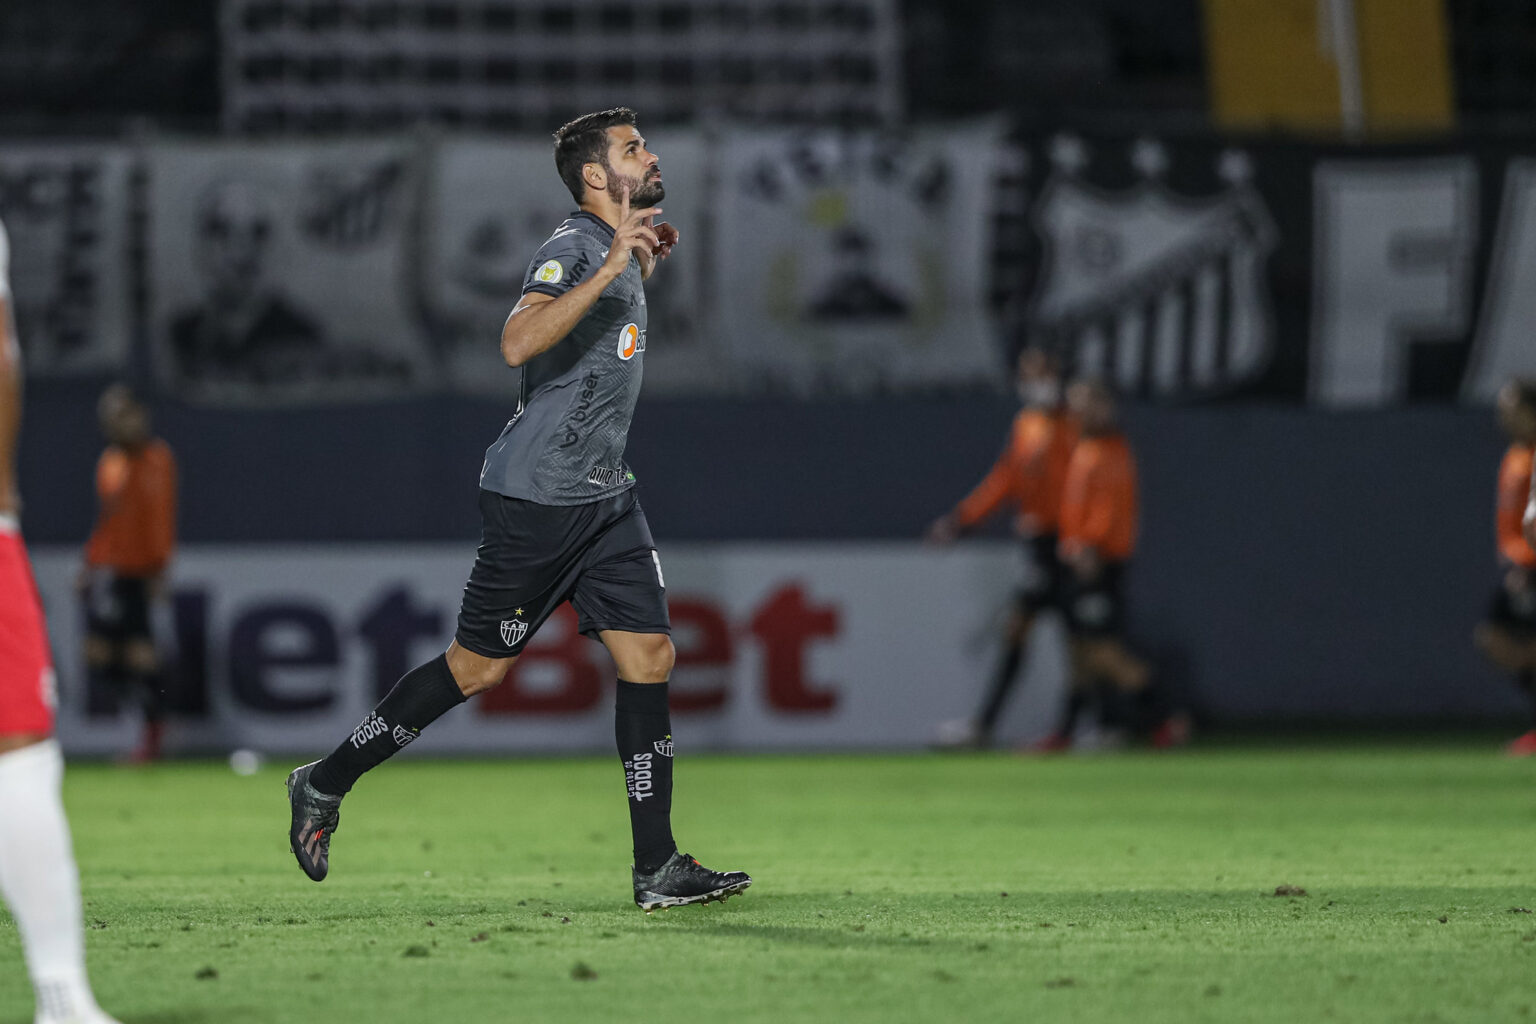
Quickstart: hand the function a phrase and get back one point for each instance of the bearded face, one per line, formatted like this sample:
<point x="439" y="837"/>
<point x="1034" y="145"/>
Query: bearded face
<point x="647" y="192"/>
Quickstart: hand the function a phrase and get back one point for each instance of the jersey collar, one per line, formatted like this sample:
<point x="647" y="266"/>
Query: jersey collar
<point x="595" y="219"/>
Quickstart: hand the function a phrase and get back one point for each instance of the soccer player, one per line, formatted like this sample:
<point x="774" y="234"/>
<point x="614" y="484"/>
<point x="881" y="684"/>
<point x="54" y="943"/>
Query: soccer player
<point x="1098" y="536"/>
<point x="126" y="559"/>
<point x="37" y="864"/>
<point x="1028" y="478"/>
<point x="561" y="520"/>
<point x="1508" y="635"/>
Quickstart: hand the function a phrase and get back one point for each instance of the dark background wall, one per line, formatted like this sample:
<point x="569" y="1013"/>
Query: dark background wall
<point x="1294" y="563"/>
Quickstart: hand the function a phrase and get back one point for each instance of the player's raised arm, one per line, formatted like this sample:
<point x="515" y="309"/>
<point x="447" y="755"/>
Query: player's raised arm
<point x="539" y="320"/>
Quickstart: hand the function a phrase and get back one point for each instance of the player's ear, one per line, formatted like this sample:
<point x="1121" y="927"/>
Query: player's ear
<point x="595" y="177"/>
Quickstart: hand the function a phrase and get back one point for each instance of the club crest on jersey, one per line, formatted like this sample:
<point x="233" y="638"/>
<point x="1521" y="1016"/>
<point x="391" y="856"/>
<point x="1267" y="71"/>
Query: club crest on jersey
<point x="512" y="631"/>
<point x="631" y="340"/>
<point x="551" y="272"/>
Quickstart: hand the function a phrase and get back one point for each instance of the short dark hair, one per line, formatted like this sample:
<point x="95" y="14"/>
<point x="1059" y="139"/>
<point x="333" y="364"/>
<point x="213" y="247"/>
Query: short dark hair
<point x="585" y="141"/>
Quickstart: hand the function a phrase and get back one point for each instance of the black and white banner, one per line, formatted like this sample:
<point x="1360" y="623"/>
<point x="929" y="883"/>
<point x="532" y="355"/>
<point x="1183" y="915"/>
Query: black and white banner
<point x="1349" y="277"/>
<point x="490" y="204"/>
<point x="856" y="262"/>
<point x="1189" y="269"/>
<point x="282" y="272"/>
<point x="66" y="210"/>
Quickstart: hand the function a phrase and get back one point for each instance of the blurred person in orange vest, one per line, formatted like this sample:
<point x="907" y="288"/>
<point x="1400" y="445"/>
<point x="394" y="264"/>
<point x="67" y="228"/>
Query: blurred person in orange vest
<point x="1098" y="524"/>
<point x="1530" y="513"/>
<point x="1027" y="479"/>
<point x="1507" y="636"/>
<point x="38" y="877"/>
<point x="127" y="556"/>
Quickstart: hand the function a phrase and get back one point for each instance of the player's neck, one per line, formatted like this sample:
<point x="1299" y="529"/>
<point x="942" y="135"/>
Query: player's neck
<point x="603" y="209"/>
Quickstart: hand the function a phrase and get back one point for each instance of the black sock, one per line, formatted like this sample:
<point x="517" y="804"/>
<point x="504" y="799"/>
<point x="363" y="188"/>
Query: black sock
<point x="643" y="729"/>
<point x="1078" y="698"/>
<point x="1152" y="709"/>
<point x="1526" y="680"/>
<point x="149" y="688"/>
<point x="1002" y="685"/>
<point x="420" y="697"/>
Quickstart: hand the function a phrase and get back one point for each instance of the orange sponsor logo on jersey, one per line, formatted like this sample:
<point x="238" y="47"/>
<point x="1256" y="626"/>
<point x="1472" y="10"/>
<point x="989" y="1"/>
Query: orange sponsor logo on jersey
<point x="631" y="340"/>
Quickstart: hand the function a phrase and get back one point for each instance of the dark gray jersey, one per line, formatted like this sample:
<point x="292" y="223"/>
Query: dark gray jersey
<point x="565" y="443"/>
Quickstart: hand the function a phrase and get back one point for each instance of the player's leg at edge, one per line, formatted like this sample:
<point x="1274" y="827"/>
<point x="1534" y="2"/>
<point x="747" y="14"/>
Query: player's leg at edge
<point x="662" y="876"/>
<point x="39" y="880"/>
<point x="1515" y="652"/>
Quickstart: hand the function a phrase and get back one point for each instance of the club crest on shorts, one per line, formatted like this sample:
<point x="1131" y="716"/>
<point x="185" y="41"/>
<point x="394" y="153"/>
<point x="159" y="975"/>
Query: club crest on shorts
<point x="513" y="631"/>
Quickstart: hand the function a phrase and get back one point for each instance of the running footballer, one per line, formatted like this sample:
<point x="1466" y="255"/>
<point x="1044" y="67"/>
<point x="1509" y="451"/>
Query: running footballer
<point x="560" y="518"/>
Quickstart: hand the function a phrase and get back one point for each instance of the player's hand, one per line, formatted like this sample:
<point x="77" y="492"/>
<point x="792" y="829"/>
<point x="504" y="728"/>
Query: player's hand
<point x="666" y="236"/>
<point x="942" y="531"/>
<point x="1027" y="526"/>
<point x="634" y="232"/>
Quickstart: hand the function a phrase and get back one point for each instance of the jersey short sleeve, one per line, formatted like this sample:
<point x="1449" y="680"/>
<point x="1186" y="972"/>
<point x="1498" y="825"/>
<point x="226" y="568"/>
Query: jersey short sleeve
<point x="563" y="262"/>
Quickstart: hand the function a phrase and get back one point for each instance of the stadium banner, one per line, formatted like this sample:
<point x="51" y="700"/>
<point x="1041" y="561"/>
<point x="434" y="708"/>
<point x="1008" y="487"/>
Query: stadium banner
<point x="285" y="649"/>
<point x="281" y="272"/>
<point x="66" y="210"/>
<point x="856" y="262"/>
<point x="1203" y="268"/>
<point x="489" y="203"/>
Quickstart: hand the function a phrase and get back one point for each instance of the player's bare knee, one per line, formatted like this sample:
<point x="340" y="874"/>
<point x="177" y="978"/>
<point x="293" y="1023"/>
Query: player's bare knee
<point x="649" y="659"/>
<point x="480" y="679"/>
<point x="660" y="656"/>
<point x="98" y="651"/>
<point x="475" y="673"/>
<point x="141" y="657"/>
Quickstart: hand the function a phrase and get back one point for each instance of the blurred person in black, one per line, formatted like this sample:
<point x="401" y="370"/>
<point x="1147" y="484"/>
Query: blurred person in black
<point x="1098" y="528"/>
<point x="1507" y="636"/>
<point x="1027" y="480"/>
<point x="126" y="559"/>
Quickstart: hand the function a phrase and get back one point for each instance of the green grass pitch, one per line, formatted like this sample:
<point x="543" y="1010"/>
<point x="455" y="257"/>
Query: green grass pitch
<point x="1135" y="887"/>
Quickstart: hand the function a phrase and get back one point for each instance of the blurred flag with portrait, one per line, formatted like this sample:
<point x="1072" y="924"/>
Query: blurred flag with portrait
<point x="856" y="262"/>
<point x="281" y="272"/>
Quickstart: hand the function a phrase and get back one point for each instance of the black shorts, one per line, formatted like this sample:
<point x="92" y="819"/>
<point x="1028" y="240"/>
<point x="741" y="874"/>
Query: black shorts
<point x="117" y="609"/>
<point x="1044" y="575"/>
<point x="532" y="558"/>
<point x="1514" y="612"/>
<point x="1096" y="608"/>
